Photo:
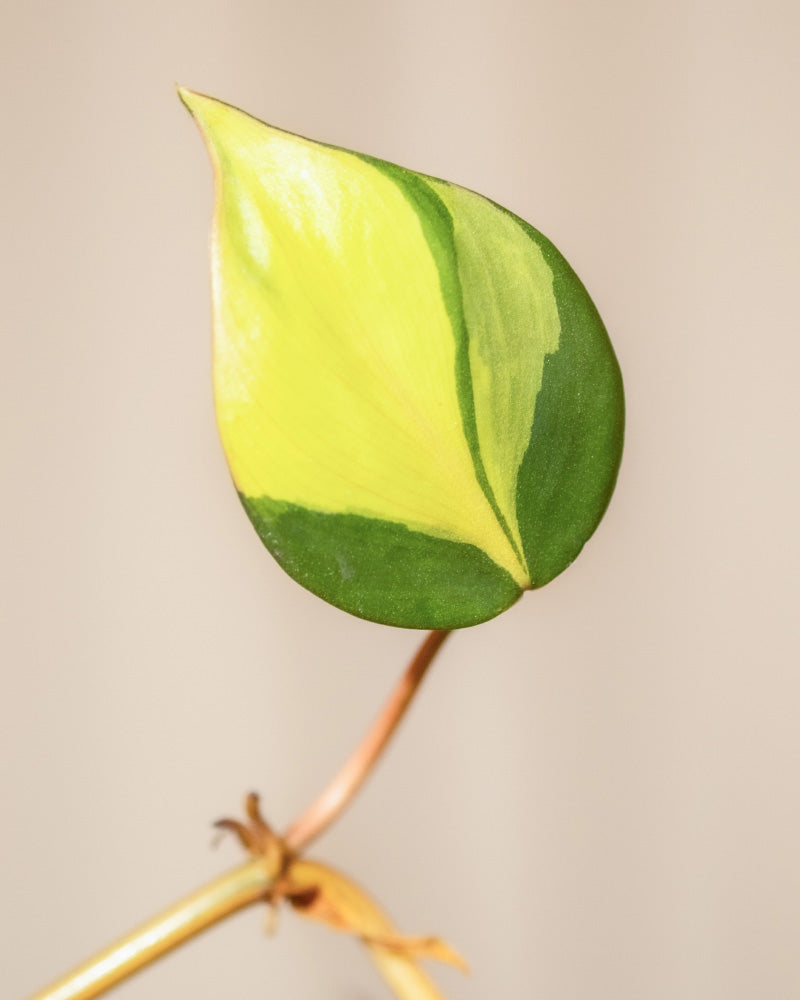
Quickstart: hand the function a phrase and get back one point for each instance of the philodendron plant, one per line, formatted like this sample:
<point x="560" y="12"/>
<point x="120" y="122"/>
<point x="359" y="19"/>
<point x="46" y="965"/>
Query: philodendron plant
<point x="423" y="417"/>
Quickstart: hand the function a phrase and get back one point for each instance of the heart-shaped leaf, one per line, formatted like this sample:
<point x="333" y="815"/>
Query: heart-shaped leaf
<point x="418" y="401"/>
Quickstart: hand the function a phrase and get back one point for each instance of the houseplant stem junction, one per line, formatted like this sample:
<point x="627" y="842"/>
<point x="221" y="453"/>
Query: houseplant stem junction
<point x="251" y="882"/>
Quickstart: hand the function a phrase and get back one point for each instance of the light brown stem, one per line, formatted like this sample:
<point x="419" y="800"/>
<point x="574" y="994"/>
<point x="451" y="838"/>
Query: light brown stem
<point x="342" y="789"/>
<point x="241" y="887"/>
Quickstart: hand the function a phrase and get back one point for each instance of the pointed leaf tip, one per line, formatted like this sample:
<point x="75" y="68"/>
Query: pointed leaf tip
<point x="186" y="97"/>
<point x="420" y="407"/>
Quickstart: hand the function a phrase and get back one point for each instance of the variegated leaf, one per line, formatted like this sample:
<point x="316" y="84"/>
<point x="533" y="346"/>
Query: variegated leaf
<point x="418" y="401"/>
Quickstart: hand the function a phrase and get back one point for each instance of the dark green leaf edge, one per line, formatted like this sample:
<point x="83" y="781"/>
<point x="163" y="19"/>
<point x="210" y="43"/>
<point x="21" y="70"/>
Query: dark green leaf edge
<point x="382" y="571"/>
<point x="569" y="471"/>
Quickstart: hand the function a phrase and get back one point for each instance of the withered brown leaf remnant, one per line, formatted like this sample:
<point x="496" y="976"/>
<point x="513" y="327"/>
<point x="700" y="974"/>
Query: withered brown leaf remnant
<point x="320" y="893"/>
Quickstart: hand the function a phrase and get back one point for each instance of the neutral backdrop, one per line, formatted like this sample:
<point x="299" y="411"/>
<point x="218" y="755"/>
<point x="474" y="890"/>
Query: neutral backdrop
<point x="597" y="794"/>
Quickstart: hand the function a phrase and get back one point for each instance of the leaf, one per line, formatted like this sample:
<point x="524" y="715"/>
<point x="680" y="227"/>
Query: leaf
<point x="419" y="404"/>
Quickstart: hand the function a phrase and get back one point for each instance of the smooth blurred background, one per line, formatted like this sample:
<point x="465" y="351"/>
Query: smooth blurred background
<point x="597" y="794"/>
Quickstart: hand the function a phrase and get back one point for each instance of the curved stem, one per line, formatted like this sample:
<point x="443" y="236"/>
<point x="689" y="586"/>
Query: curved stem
<point x="224" y="896"/>
<point x="343" y="788"/>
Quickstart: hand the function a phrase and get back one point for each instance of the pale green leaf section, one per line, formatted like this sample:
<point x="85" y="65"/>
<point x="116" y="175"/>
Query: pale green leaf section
<point x="334" y="357"/>
<point x="512" y="318"/>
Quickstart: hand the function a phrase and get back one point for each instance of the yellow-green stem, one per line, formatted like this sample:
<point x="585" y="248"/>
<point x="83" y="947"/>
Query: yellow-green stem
<point x="192" y="915"/>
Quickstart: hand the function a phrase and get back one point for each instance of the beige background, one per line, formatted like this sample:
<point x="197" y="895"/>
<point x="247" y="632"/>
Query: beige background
<point x="597" y="795"/>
